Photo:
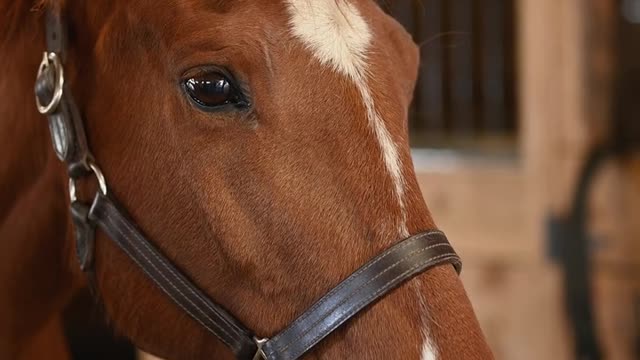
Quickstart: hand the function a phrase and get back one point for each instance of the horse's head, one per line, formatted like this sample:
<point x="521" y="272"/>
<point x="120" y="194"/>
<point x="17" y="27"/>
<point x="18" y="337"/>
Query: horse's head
<point x="263" y="146"/>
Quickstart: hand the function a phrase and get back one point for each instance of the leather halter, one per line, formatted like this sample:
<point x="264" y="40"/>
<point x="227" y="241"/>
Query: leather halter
<point x="369" y="283"/>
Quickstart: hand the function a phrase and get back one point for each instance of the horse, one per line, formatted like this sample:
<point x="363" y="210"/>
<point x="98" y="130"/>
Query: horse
<point x="262" y="145"/>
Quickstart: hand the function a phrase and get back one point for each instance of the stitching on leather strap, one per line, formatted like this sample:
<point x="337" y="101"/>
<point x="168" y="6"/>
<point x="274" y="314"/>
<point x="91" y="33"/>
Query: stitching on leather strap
<point x="354" y="277"/>
<point x="381" y="289"/>
<point x="112" y="221"/>
<point x="213" y="318"/>
<point x="357" y="290"/>
<point x="179" y="278"/>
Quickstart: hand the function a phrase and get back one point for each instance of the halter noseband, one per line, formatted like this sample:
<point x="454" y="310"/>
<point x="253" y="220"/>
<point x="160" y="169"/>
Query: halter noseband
<point x="372" y="281"/>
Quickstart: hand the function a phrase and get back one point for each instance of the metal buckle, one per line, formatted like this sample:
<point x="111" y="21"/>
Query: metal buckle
<point x="260" y="355"/>
<point x="102" y="182"/>
<point x="51" y="59"/>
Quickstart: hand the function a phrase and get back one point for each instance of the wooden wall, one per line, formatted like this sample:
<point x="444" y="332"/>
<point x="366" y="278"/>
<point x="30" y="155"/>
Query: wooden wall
<point x="466" y="82"/>
<point x="495" y="211"/>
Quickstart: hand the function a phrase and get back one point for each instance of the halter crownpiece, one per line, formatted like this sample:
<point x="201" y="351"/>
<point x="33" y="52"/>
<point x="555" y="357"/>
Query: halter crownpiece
<point x="366" y="285"/>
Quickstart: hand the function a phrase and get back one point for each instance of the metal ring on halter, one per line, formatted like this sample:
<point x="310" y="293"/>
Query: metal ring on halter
<point x="102" y="182"/>
<point x="259" y="352"/>
<point x="51" y="59"/>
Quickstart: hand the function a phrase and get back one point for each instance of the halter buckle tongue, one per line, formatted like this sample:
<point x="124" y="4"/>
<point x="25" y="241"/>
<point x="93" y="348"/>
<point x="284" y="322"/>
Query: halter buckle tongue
<point x="85" y="228"/>
<point x="260" y="355"/>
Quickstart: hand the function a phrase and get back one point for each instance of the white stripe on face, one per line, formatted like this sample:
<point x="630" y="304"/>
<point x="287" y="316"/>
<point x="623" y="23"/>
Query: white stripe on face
<point x="339" y="37"/>
<point x="428" y="351"/>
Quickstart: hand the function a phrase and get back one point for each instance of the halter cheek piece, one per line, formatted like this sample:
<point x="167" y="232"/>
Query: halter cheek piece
<point x="372" y="281"/>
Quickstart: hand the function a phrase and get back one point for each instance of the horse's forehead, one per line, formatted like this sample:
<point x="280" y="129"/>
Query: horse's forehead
<point x="334" y="30"/>
<point x="340" y="37"/>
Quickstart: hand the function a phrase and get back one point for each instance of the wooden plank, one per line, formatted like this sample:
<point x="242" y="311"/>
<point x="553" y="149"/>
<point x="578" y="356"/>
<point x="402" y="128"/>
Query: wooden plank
<point x="430" y="99"/>
<point x="482" y="208"/>
<point x="519" y="308"/>
<point x="460" y="72"/>
<point x="614" y="209"/>
<point x="552" y="97"/>
<point x="493" y="59"/>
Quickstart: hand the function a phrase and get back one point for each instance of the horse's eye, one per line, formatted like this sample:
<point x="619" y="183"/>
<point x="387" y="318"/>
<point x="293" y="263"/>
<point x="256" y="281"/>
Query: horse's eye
<point x="212" y="90"/>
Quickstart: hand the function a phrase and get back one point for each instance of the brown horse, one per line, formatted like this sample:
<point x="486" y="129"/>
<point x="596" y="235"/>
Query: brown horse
<point x="266" y="189"/>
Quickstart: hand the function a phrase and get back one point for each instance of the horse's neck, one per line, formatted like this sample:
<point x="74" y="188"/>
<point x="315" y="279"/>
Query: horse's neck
<point x="22" y="131"/>
<point x="35" y="261"/>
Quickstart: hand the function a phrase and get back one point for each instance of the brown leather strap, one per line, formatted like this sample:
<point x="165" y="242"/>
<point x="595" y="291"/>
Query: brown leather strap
<point x="372" y="281"/>
<point x="65" y="126"/>
<point x="65" y="121"/>
<point x="117" y="224"/>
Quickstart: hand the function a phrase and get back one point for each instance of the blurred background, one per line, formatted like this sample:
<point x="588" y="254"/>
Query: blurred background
<point x="526" y="139"/>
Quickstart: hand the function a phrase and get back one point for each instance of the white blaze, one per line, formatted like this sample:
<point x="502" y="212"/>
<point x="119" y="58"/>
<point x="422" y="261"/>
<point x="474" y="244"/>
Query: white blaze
<point x="339" y="37"/>
<point x="428" y="351"/>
